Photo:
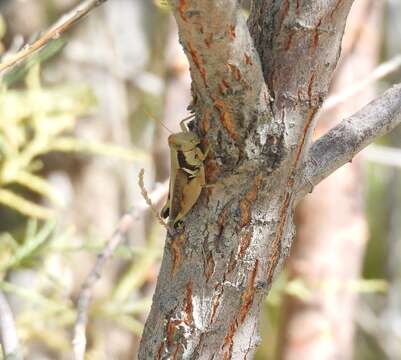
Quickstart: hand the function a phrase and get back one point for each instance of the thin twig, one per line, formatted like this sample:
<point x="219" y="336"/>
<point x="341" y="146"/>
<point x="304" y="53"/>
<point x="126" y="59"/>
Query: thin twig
<point x="380" y="72"/>
<point x="85" y="294"/>
<point x="62" y="25"/>
<point x="8" y="333"/>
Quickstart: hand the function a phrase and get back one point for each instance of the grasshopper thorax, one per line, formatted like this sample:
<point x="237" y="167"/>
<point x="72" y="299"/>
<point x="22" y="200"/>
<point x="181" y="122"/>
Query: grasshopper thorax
<point x="184" y="141"/>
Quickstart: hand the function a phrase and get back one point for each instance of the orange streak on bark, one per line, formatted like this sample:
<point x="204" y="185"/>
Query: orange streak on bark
<point x="244" y="244"/>
<point x="235" y="71"/>
<point x="188" y="304"/>
<point x="247" y="201"/>
<point x="231" y="265"/>
<point x="228" y="124"/>
<point x="248" y="59"/>
<point x="310" y="85"/>
<point x="228" y="343"/>
<point x="276" y="245"/>
<point x="182" y="6"/>
<point x="205" y="122"/>
<point x="310" y="116"/>
<point x="231" y="32"/>
<point x="209" y="267"/>
<point x="247" y="297"/>
<point x="223" y="86"/>
<point x="215" y="305"/>
<point x="289" y="41"/>
<point x="315" y="40"/>
<point x="176" y="246"/>
<point x="338" y="4"/>
<point x="245" y="212"/>
<point x="170" y="333"/>
<point x="226" y="119"/>
<point x="197" y="61"/>
<point x="211" y="172"/>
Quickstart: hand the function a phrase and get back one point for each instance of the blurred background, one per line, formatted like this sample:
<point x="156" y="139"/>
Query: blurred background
<point x="80" y="118"/>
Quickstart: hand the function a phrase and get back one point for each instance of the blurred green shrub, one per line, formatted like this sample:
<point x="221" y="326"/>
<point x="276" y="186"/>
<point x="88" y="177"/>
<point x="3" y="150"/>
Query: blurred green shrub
<point x="32" y="123"/>
<point x="35" y="121"/>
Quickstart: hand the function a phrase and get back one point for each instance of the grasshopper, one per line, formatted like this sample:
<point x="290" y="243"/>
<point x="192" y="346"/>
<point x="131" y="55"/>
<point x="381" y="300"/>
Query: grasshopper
<point x="187" y="177"/>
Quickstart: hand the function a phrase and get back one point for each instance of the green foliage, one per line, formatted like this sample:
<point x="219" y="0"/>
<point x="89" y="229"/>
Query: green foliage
<point x="34" y="122"/>
<point x="48" y="313"/>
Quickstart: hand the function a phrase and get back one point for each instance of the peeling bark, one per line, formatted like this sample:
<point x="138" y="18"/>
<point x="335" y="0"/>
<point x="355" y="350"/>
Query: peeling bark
<point x="217" y="269"/>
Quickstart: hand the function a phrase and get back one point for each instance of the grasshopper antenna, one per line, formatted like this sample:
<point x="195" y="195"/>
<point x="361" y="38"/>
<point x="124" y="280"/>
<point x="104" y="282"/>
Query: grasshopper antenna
<point x="159" y="121"/>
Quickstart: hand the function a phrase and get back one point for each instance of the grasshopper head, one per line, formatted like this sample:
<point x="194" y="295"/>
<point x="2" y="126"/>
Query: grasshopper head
<point x="184" y="141"/>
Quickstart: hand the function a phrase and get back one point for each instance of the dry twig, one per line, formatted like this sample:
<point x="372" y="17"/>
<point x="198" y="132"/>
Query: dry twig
<point x="61" y="25"/>
<point x="149" y="201"/>
<point x="85" y="295"/>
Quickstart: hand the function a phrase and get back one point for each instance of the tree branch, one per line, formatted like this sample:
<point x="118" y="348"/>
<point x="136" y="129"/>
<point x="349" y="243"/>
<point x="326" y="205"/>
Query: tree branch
<point x="8" y="332"/>
<point x="226" y="72"/>
<point x="217" y="43"/>
<point x="85" y="294"/>
<point x="341" y="143"/>
<point x="61" y="26"/>
<point x="292" y="39"/>
<point x="299" y="46"/>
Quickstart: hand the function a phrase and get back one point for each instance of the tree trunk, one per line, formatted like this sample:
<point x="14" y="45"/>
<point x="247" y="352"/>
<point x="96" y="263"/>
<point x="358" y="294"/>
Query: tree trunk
<point x="331" y="227"/>
<point x="255" y="95"/>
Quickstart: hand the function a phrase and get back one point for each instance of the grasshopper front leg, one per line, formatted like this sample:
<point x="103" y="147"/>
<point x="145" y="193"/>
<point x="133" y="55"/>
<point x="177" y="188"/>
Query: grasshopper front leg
<point x="183" y="127"/>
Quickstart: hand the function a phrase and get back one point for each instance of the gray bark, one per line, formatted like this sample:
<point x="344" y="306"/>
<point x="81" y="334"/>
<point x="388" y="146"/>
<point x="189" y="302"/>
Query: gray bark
<point x="217" y="270"/>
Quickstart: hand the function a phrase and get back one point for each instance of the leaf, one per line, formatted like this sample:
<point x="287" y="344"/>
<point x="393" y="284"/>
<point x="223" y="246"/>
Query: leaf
<point x="38" y="185"/>
<point x="34" y="297"/>
<point x="31" y="245"/>
<point x="24" y="206"/>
